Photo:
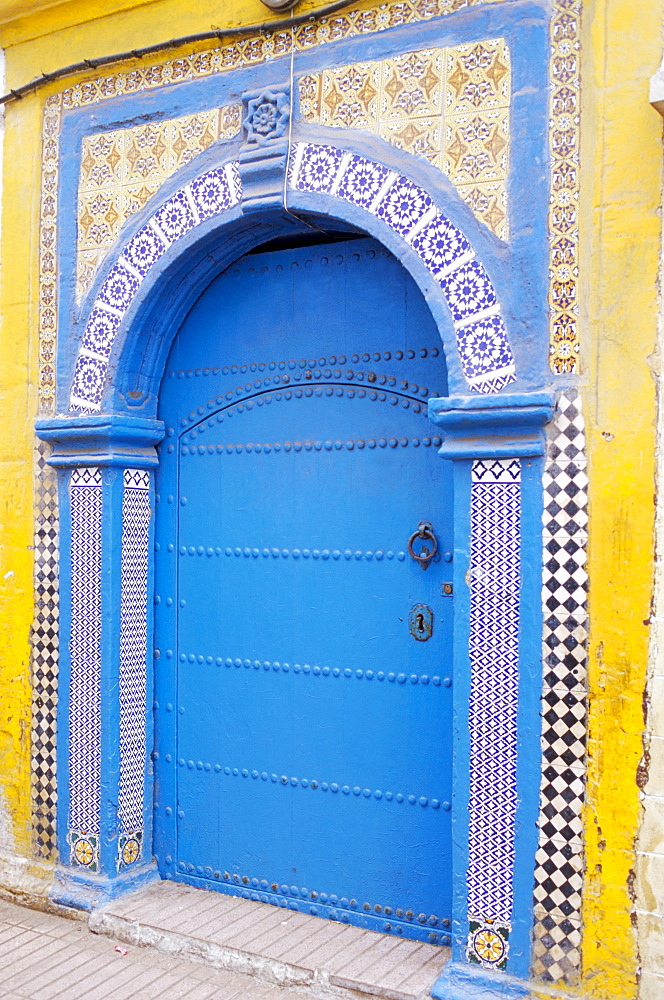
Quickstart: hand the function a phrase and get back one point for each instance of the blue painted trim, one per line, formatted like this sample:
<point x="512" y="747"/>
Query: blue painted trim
<point x="505" y="426"/>
<point x="466" y="982"/>
<point x="461" y="706"/>
<point x="79" y="890"/>
<point x="101" y="440"/>
<point x="149" y="773"/>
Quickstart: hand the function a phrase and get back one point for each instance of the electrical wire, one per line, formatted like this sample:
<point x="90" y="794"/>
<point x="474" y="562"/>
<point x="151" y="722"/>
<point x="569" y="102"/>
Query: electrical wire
<point x="218" y="34"/>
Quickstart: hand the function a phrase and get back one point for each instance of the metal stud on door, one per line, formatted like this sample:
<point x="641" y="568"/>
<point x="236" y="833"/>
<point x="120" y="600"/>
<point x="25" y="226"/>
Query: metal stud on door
<point x="310" y="753"/>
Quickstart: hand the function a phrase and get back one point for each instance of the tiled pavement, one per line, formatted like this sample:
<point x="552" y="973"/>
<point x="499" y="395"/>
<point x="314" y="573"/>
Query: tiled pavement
<point x="47" y="957"/>
<point x="279" y="946"/>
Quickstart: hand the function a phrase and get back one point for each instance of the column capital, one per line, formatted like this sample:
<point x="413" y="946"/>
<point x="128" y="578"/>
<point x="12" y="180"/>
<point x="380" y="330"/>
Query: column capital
<point x="101" y="440"/>
<point x="505" y="426"/>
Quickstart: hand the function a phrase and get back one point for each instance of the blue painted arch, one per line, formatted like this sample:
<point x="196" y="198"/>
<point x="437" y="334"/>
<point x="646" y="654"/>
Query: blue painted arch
<point x="196" y="227"/>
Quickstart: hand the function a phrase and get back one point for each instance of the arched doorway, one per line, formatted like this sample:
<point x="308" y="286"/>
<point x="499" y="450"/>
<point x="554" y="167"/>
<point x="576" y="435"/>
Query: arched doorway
<point x="306" y="655"/>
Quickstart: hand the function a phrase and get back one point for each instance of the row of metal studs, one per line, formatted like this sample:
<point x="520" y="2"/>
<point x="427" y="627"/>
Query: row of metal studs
<point x="262" y="366"/>
<point x="295" y="446"/>
<point x="334" y="787"/>
<point x="306" y="668"/>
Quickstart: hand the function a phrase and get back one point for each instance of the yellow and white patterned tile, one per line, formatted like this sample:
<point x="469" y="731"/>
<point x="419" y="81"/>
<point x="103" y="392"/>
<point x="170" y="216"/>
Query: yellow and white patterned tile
<point x="122" y="169"/>
<point x="450" y="106"/>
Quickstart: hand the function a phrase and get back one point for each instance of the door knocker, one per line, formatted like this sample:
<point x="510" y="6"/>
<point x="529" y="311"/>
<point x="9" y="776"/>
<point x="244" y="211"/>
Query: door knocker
<point x="424" y="531"/>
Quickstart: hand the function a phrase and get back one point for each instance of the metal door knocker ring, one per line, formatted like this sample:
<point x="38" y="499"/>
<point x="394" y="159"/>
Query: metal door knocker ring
<point x="425" y="555"/>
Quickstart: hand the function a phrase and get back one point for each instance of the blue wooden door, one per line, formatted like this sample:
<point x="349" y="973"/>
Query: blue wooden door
<point x="304" y="713"/>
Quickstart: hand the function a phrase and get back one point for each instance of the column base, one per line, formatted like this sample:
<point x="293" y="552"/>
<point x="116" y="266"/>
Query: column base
<point x="465" y="982"/>
<point x="82" y="891"/>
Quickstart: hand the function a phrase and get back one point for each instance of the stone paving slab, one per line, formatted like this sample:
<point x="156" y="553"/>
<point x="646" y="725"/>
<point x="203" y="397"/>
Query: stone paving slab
<point x="47" y="957"/>
<point x="277" y="946"/>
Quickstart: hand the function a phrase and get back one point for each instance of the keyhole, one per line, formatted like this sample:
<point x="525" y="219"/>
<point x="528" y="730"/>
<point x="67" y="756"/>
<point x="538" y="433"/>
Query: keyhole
<point x="420" y="623"/>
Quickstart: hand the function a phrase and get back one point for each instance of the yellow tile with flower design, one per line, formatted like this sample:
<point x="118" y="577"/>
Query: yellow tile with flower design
<point x="122" y="169"/>
<point x="450" y="106"/>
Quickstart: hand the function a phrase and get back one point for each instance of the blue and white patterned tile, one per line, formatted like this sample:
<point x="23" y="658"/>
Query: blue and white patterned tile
<point x="235" y="181"/>
<point x="493" y="384"/>
<point x="494" y="657"/>
<point x="361" y="182"/>
<point x="484" y="348"/>
<point x="88" y="384"/>
<point x="175" y="217"/>
<point x="136" y="515"/>
<point x="403" y="206"/>
<point x="144" y="250"/>
<point x="85" y="659"/>
<point x="439" y="244"/>
<point x="100" y="331"/>
<point x="210" y="193"/>
<point x="318" y="168"/>
<point x="119" y="288"/>
<point x="468" y="290"/>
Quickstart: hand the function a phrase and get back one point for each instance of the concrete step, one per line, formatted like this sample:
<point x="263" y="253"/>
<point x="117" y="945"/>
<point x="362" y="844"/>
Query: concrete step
<point x="277" y="946"/>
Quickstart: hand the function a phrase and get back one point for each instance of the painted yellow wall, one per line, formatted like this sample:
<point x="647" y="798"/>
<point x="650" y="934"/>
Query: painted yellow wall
<point x="621" y="151"/>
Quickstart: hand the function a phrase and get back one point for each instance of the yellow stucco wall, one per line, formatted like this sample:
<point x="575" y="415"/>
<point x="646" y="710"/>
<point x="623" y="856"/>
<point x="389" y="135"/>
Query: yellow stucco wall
<point x="620" y="222"/>
<point x="620" y="233"/>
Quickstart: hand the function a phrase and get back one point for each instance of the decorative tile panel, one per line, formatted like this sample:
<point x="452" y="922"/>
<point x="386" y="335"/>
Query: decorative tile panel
<point x="85" y="491"/>
<point x="250" y="50"/>
<point x="564" y="141"/>
<point x="450" y="106"/>
<point x="559" y="863"/>
<point x="484" y="351"/>
<point x="122" y="169"/>
<point x="136" y="514"/>
<point x="45" y="658"/>
<point x="209" y="194"/>
<point x="495" y="568"/>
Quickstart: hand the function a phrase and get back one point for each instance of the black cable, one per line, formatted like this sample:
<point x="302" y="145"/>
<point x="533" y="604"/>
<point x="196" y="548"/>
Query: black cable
<point x="215" y="35"/>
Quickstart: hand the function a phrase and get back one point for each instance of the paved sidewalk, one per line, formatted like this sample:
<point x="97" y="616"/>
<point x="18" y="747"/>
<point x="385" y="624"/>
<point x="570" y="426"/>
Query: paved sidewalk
<point x="45" y="957"/>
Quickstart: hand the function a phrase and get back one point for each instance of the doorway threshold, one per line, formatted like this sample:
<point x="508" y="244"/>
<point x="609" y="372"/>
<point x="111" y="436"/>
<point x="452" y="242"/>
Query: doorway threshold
<point x="279" y="946"/>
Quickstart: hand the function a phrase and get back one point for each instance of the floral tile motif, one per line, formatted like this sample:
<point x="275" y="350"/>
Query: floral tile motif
<point x="144" y="250"/>
<point x="484" y="348"/>
<point x="468" y="291"/>
<point x="88" y="383"/>
<point x="175" y="217"/>
<point x="440" y="245"/>
<point x="123" y="168"/>
<point x="450" y="106"/>
<point x="403" y="206"/>
<point x="362" y="181"/>
<point x="318" y="169"/>
<point x="100" y="331"/>
<point x="564" y="138"/>
<point x="119" y="288"/>
<point x="211" y="193"/>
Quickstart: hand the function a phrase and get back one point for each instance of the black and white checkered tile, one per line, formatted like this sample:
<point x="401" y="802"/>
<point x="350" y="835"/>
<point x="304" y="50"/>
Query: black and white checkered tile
<point x="559" y="862"/>
<point x="45" y="658"/>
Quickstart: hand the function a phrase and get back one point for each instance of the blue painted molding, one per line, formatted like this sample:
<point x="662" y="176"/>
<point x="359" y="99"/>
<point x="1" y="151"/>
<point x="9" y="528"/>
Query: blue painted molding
<point x="82" y="891"/>
<point x="466" y="982"/>
<point x="101" y="440"/>
<point x="506" y="426"/>
<point x="265" y="152"/>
